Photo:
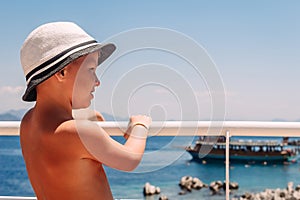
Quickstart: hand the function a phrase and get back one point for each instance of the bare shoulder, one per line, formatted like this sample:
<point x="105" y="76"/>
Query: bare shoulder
<point x="79" y="133"/>
<point x="26" y="122"/>
<point x="77" y="126"/>
<point x="27" y="116"/>
<point x="67" y="127"/>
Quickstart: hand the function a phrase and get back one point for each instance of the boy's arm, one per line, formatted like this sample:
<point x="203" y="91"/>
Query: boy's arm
<point x="103" y="148"/>
<point x="99" y="116"/>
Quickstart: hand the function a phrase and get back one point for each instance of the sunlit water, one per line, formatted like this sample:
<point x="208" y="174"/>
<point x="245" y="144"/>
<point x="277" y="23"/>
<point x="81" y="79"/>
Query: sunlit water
<point x="163" y="166"/>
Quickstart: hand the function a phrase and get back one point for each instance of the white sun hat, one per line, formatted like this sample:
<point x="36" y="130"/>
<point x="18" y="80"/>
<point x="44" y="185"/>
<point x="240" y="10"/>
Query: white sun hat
<point x="52" y="46"/>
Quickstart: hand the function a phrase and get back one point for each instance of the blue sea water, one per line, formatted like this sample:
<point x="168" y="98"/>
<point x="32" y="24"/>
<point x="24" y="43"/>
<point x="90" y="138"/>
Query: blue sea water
<point x="164" y="163"/>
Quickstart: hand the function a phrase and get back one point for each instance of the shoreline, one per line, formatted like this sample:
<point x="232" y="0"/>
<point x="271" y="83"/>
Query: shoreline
<point x="171" y="192"/>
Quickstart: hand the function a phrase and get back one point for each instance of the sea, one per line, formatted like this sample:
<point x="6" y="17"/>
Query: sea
<point x="165" y="162"/>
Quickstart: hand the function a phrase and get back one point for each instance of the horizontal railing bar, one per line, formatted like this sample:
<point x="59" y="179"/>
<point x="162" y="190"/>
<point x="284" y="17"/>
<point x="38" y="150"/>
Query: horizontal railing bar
<point x="16" y="198"/>
<point x="191" y="128"/>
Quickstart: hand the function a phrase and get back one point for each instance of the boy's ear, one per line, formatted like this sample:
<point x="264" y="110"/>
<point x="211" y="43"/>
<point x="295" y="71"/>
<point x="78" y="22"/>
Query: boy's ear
<point x="60" y="75"/>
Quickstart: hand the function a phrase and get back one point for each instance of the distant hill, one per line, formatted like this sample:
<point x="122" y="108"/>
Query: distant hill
<point x="9" y="117"/>
<point x="279" y="120"/>
<point x="17" y="115"/>
<point x="12" y="115"/>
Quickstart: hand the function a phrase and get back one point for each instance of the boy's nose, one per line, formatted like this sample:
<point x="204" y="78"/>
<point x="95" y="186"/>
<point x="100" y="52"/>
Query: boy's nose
<point x="97" y="82"/>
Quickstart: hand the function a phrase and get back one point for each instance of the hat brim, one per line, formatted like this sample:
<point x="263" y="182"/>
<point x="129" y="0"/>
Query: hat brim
<point x="105" y="51"/>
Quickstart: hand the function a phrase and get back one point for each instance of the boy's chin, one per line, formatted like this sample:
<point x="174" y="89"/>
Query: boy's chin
<point x="81" y="105"/>
<point x="84" y="113"/>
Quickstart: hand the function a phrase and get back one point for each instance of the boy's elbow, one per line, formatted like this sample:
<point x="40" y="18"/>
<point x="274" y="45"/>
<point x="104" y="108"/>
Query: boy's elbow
<point x="130" y="168"/>
<point x="132" y="163"/>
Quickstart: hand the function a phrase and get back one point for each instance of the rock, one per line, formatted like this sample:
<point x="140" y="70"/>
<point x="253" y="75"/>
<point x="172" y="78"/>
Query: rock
<point x="163" y="197"/>
<point x="269" y="193"/>
<point x="290" y="187"/>
<point x="282" y="194"/>
<point x="157" y="190"/>
<point x="186" y="183"/>
<point x="197" y="184"/>
<point x="186" y="180"/>
<point x="215" y="186"/>
<point x="150" y="189"/>
<point x="216" y="183"/>
<point x="247" y="195"/>
<point x="296" y="195"/>
<point x="215" y="189"/>
<point x="219" y="183"/>
<point x="182" y="192"/>
<point x="232" y="186"/>
<point x="256" y="196"/>
<point x="277" y="192"/>
<point x="146" y="189"/>
<point x="265" y="163"/>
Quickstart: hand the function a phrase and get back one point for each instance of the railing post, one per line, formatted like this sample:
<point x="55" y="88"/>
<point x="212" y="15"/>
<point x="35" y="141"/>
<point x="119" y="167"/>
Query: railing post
<point x="227" y="164"/>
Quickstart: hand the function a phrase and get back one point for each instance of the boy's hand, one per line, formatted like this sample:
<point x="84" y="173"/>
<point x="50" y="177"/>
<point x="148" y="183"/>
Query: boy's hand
<point x="138" y="120"/>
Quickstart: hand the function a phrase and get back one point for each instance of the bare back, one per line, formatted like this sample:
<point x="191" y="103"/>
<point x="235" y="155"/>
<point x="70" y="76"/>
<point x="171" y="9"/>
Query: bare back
<point x="58" y="165"/>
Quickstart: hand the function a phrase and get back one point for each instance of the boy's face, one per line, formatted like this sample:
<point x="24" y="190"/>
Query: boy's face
<point x="85" y="81"/>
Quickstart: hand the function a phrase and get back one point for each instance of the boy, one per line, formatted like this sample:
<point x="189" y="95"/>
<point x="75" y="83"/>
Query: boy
<point x="64" y="156"/>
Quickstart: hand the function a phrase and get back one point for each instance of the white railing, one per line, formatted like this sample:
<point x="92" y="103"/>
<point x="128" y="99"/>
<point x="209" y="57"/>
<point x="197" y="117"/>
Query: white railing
<point x="190" y="128"/>
<point x="17" y="198"/>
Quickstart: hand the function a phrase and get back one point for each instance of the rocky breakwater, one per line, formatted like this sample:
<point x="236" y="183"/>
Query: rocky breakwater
<point x="189" y="183"/>
<point x="288" y="193"/>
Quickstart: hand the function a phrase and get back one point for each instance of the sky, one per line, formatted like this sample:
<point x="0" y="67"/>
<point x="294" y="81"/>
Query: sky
<point x="254" y="45"/>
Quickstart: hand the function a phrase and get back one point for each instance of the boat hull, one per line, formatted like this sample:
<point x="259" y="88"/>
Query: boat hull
<point x="238" y="158"/>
